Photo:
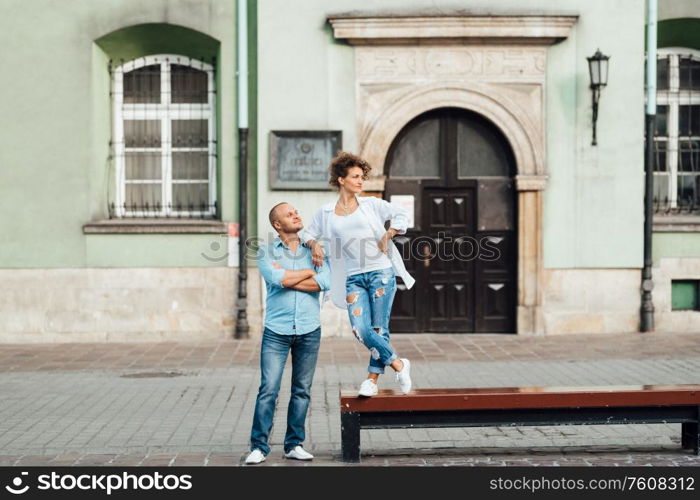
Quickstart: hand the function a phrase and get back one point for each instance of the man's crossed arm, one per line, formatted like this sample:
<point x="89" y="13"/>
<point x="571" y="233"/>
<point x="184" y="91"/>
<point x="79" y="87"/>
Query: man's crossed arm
<point x="304" y="280"/>
<point x="301" y="280"/>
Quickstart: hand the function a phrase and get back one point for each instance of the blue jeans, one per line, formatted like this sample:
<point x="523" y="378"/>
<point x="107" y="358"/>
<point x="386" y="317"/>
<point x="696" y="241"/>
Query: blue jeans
<point x="273" y="356"/>
<point x="369" y="297"/>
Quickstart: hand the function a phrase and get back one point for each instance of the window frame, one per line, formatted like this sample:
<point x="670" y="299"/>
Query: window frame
<point x="673" y="98"/>
<point x="165" y="112"/>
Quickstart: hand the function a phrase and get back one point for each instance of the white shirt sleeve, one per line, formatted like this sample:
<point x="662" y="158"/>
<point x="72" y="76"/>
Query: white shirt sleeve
<point x="390" y="212"/>
<point x="314" y="230"/>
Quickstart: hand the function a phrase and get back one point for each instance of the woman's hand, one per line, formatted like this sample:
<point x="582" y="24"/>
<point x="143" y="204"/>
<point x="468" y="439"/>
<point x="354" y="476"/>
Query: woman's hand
<point x="384" y="242"/>
<point x="317" y="254"/>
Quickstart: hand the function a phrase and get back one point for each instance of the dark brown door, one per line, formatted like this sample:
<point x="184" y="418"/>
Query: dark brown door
<point x="462" y="248"/>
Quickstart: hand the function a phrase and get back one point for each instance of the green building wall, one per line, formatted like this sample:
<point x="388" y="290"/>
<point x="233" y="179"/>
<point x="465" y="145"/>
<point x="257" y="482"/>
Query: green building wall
<point x="56" y="109"/>
<point x="593" y="216"/>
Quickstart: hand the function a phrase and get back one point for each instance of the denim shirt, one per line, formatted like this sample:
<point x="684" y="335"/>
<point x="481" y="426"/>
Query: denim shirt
<point x="289" y="311"/>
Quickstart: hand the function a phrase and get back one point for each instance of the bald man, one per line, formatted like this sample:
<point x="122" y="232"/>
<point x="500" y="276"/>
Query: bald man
<point x="292" y="324"/>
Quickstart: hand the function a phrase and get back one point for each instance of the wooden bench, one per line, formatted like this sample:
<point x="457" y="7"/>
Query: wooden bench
<point x="508" y="406"/>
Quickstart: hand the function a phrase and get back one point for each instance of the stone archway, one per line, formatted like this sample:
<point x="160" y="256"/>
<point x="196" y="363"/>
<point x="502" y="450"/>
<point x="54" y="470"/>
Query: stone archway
<point x="406" y="66"/>
<point x="506" y="108"/>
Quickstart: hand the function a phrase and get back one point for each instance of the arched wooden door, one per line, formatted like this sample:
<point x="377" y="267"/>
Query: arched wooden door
<point x="456" y="169"/>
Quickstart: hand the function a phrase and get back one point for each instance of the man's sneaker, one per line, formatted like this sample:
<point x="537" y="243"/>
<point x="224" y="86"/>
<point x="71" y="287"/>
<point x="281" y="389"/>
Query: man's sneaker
<point x="368" y="388"/>
<point x="256" y="456"/>
<point x="298" y="453"/>
<point x="404" y="376"/>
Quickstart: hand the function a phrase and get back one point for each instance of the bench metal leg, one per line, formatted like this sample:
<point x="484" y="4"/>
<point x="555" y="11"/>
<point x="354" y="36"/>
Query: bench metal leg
<point x="688" y="429"/>
<point x="690" y="435"/>
<point x="350" y="436"/>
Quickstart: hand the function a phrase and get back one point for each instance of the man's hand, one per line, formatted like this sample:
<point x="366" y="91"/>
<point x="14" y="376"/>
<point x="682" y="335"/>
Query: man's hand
<point x="317" y="253"/>
<point x="384" y="242"/>
<point x="276" y="265"/>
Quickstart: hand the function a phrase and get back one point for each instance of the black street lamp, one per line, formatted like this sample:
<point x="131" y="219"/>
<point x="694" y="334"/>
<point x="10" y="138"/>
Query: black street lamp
<point x="598" y="69"/>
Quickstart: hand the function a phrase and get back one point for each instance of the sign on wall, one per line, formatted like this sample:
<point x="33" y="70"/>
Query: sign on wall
<point x="300" y="159"/>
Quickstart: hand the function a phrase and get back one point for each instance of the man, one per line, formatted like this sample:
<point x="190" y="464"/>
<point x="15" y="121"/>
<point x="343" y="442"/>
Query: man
<point x="292" y="323"/>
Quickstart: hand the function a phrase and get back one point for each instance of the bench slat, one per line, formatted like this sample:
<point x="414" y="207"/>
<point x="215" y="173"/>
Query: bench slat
<point x="523" y="397"/>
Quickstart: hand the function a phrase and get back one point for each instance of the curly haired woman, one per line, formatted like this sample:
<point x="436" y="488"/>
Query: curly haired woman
<point x="364" y="264"/>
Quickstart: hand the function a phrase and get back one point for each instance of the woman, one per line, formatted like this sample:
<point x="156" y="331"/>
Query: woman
<point x="364" y="263"/>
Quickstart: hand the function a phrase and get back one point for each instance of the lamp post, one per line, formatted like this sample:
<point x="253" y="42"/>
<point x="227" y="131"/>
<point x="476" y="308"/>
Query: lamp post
<point x="598" y="69"/>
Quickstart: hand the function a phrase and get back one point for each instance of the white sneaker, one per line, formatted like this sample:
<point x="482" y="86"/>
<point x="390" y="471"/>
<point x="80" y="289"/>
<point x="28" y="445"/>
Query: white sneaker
<point x="404" y="376"/>
<point x="256" y="456"/>
<point x="298" y="453"/>
<point x="368" y="388"/>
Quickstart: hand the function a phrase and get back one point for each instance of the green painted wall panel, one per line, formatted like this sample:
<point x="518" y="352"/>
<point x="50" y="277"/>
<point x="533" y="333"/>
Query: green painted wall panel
<point x="99" y="170"/>
<point x="156" y="250"/>
<point x="680" y="32"/>
<point x="561" y="248"/>
<point x="675" y="245"/>
<point x="684" y="295"/>
<point x="153" y="38"/>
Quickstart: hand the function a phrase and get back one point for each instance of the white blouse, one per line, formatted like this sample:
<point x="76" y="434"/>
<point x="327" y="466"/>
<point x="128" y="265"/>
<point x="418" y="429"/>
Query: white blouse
<point x="376" y="212"/>
<point x="359" y="245"/>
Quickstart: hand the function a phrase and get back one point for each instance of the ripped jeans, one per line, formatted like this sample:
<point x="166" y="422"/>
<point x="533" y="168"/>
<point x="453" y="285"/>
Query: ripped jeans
<point x="369" y="297"/>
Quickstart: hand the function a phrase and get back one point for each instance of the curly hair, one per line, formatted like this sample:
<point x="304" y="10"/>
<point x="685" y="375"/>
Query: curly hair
<point x="342" y="163"/>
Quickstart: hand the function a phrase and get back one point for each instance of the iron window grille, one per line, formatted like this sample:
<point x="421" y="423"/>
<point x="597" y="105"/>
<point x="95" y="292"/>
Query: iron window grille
<point x="164" y="138"/>
<point x="677" y="136"/>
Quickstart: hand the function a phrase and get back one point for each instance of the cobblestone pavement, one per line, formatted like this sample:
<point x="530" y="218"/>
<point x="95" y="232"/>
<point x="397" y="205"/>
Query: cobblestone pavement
<point x="192" y="403"/>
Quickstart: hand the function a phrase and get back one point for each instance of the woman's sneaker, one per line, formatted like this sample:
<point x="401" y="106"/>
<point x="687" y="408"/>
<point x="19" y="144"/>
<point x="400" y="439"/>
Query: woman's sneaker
<point x="404" y="376"/>
<point x="368" y="388"/>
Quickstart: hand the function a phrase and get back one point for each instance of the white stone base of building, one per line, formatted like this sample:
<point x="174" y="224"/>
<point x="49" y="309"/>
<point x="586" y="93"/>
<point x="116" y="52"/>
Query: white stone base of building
<point x="119" y="304"/>
<point x="591" y="300"/>
<point x="669" y="269"/>
<point x="194" y="304"/>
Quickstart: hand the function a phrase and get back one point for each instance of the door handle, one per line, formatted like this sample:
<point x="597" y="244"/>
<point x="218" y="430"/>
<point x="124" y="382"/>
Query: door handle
<point x="425" y="250"/>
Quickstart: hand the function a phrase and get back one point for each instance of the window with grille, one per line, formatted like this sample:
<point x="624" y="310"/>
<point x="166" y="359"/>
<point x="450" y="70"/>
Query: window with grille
<point x="164" y="138"/>
<point x="677" y="139"/>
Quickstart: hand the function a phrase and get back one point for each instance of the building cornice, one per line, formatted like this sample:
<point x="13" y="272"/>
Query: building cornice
<point x="540" y="30"/>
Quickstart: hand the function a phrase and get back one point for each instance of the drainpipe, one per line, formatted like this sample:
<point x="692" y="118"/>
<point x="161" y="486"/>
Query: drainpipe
<point x="242" y="89"/>
<point x="647" y="309"/>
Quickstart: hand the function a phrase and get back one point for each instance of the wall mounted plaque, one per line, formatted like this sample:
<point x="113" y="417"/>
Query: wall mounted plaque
<point x="300" y="159"/>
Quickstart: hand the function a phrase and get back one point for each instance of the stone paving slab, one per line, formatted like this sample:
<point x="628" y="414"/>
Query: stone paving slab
<point x="600" y="456"/>
<point x="180" y="404"/>
<point x="338" y="351"/>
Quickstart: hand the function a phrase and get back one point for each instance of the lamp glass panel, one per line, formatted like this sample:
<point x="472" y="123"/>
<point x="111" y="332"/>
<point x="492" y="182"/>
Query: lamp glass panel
<point x="595" y="71"/>
<point x="603" y="71"/>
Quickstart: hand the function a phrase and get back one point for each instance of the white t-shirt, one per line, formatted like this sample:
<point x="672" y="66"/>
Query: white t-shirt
<point x="360" y="246"/>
